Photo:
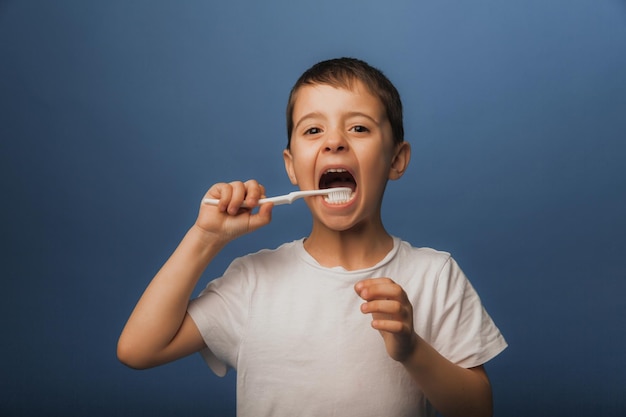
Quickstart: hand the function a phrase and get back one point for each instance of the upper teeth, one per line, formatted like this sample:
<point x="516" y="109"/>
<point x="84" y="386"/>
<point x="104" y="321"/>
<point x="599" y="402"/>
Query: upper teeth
<point x="336" y="170"/>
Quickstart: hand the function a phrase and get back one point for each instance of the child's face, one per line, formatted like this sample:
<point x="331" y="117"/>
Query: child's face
<point x="343" y="137"/>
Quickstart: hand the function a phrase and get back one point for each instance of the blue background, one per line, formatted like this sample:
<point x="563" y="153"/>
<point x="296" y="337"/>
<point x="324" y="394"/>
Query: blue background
<point x="116" y="116"/>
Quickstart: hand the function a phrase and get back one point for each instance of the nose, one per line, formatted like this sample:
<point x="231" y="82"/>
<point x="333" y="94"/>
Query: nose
<point x="335" y="142"/>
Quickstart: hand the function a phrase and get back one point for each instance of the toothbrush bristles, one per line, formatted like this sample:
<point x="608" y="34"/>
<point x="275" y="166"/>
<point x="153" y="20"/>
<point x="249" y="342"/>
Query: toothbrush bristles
<point x="339" y="196"/>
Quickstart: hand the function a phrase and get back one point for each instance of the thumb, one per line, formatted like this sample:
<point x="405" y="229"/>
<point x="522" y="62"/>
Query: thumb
<point x="261" y="218"/>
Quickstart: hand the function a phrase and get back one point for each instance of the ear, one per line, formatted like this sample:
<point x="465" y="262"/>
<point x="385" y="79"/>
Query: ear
<point x="400" y="161"/>
<point x="288" y="158"/>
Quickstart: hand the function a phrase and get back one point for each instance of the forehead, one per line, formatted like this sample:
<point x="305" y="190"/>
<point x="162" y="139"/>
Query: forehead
<point x="324" y="98"/>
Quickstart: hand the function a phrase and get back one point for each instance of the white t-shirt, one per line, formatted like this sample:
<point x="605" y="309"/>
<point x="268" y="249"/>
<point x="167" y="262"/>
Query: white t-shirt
<point x="294" y="332"/>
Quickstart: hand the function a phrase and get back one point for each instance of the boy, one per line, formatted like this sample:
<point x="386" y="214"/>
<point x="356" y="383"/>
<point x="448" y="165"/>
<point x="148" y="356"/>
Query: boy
<point x="296" y="322"/>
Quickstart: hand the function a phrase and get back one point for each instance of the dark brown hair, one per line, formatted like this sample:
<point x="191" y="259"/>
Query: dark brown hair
<point x="343" y="73"/>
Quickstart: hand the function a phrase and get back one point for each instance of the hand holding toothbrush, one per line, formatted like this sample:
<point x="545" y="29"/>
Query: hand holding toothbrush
<point x="229" y="219"/>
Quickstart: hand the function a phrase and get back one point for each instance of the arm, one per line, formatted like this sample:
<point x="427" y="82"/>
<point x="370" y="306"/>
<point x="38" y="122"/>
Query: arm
<point x="159" y="329"/>
<point x="453" y="390"/>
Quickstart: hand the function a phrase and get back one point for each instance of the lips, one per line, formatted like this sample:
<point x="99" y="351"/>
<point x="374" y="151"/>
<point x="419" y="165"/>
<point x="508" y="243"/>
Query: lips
<point x="337" y="177"/>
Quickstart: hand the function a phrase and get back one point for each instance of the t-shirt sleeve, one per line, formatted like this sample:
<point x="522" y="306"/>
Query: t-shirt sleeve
<point x="220" y="313"/>
<point x="462" y="329"/>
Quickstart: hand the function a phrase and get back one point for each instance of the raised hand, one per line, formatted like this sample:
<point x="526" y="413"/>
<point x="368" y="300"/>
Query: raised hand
<point x="392" y="315"/>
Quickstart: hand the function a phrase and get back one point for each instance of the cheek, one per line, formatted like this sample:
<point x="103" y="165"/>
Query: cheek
<point x="302" y="154"/>
<point x="303" y="168"/>
<point x="377" y="171"/>
<point x="379" y="159"/>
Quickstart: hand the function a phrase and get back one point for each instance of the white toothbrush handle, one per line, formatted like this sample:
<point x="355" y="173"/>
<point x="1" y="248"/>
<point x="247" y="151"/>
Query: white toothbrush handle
<point x="280" y="199"/>
<point x="276" y="200"/>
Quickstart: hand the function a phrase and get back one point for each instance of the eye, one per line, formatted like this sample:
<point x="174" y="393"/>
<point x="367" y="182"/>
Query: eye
<point x="312" y="131"/>
<point x="359" y="129"/>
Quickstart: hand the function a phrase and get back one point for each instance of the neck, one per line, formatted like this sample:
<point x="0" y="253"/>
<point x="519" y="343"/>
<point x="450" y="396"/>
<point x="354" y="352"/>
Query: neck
<point x="357" y="248"/>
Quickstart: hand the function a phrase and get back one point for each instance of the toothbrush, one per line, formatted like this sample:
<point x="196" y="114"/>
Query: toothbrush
<point x="335" y="195"/>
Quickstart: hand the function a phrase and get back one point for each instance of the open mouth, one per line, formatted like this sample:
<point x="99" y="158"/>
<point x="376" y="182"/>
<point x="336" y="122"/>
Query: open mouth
<point x="337" y="177"/>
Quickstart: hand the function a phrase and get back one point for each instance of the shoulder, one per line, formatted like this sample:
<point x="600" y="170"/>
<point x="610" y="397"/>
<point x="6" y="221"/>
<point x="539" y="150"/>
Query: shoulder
<point x="285" y="252"/>
<point x="258" y="263"/>
<point x="426" y="269"/>
<point x="405" y="246"/>
<point x="245" y="272"/>
<point x="424" y="256"/>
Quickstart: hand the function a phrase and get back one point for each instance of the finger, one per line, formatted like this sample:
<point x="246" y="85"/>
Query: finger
<point x="254" y="191"/>
<point x="390" y="307"/>
<point x="391" y="326"/>
<point x="222" y="192"/>
<point x="263" y="217"/>
<point x="366" y="283"/>
<point x="237" y="197"/>
<point x="383" y="292"/>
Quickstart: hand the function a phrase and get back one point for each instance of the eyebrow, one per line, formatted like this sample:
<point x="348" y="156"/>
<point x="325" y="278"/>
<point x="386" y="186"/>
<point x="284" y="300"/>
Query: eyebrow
<point x="359" y="114"/>
<point x="312" y="115"/>
<point x="315" y="114"/>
